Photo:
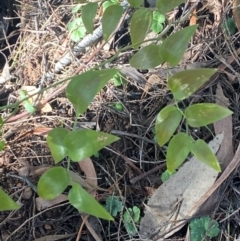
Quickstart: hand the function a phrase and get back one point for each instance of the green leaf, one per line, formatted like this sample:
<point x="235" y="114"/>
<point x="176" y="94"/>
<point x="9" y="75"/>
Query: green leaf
<point x="84" y="202"/>
<point x="56" y="144"/>
<point x="82" y="88"/>
<point x="165" y="6"/>
<point x="88" y="13"/>
<point x="140" y="25"/>
<point x="76" y="23"/>
<point x="166" y="124"/>
<point x="202" y="227"/>
<point x="113" y="205"/>
<point x="135" y="3"/>
<point x="119" y="80"/>
<point x="174" y="46"/>
<point x="203" y="153"/>
<point x="88" y="143"/>
<point x="26" y="103"/>
<point x="78" y="34"/>
<point x="132" y="215"/>
<point x="203" y="114"/>
<point x="1" y="121"/>
<point x="110" y="20"/>
<point x="7" y="203"/>
<point x="130" y="228"/>
<point x="106" y="4"/>
<point x="53" y="182"/>
<point x="158" y="20"/>
<point x="147" y="57"/>
<point x="213" y="230"/>
<point x="185" y="83"/>
<point x="2" y="145"/>
<point x="76" y="8"/>
<point x="166" y="175"/>
<point x="118" y="106"/>
<point x="230" y="26"/>
<point x="177" y="151"/>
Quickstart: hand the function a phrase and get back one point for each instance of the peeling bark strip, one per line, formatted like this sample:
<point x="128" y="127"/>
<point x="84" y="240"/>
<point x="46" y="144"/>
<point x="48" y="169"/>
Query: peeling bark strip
<point x="87" y="41"/>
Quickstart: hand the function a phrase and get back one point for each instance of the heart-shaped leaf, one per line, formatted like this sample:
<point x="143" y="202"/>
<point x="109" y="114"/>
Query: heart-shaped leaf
<point x="82" y="88"/>
<point x="84" y="202"/>
<point x="55" y="141"/>
<point x="53" y="182"/>
<point x="85" y="143"/>
<point x="167" y="122"/>
<point x="88" y="13"/>
<point x="147" y="57"/>
<point x="135" y="3"/>
<point x="6" y="203"/>
<point x="110" y="20"/>
<point x="174" y="46"/>
<point x="205" y="113"/>
<point x="185" y="83"/>
<point x="140" y="25"/>
<point x="203" y="153"/>
<point x="177" y="151"/>
<point x="165" y="6"/>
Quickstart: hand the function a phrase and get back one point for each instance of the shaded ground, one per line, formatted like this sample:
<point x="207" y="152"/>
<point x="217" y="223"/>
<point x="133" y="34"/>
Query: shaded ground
<point x="41" y="40"/>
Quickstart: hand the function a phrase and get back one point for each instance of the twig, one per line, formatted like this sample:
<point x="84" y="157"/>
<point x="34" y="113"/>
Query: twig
<point x="146" y="174"/>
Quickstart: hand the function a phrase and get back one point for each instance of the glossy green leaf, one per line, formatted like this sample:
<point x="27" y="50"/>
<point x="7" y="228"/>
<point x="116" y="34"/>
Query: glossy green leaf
<point x="177" y="151"/>
<point x="84" y="202"/>
<point x="147" y="57"/>
<point x="166" y="124"/>
<point x="203" y="153"/>
<point x="135" y="3"/>
<point x="165" y="6"/>
<point x="85" y="143"/>
<point x="110" y="20"/>
<point x="203" y="114"/>
<point x="6" y="203"/>
<point x="140" y="25"/>
<point x="53" y="182"/>
<point x="56" y="144"/>
<point x="88" y="13"/>
<point x="82" y="88"/>
<point x="185" y="83"/>
<point x="174" y="46"/>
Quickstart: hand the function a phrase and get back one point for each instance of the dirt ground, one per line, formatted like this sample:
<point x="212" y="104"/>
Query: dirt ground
<point x="36" y="38"/>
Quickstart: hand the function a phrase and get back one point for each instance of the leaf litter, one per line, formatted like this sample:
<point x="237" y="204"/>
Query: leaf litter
<point x="128" y="149"/>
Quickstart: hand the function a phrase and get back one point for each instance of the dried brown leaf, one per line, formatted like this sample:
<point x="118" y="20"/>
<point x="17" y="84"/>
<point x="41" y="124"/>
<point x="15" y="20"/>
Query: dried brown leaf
<point x="225" y="154"/>
<point x="174" y="199"/>
<point x="89" y="170"/>
<point x="55" y="237"/>
<point x="42" y="204"/>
